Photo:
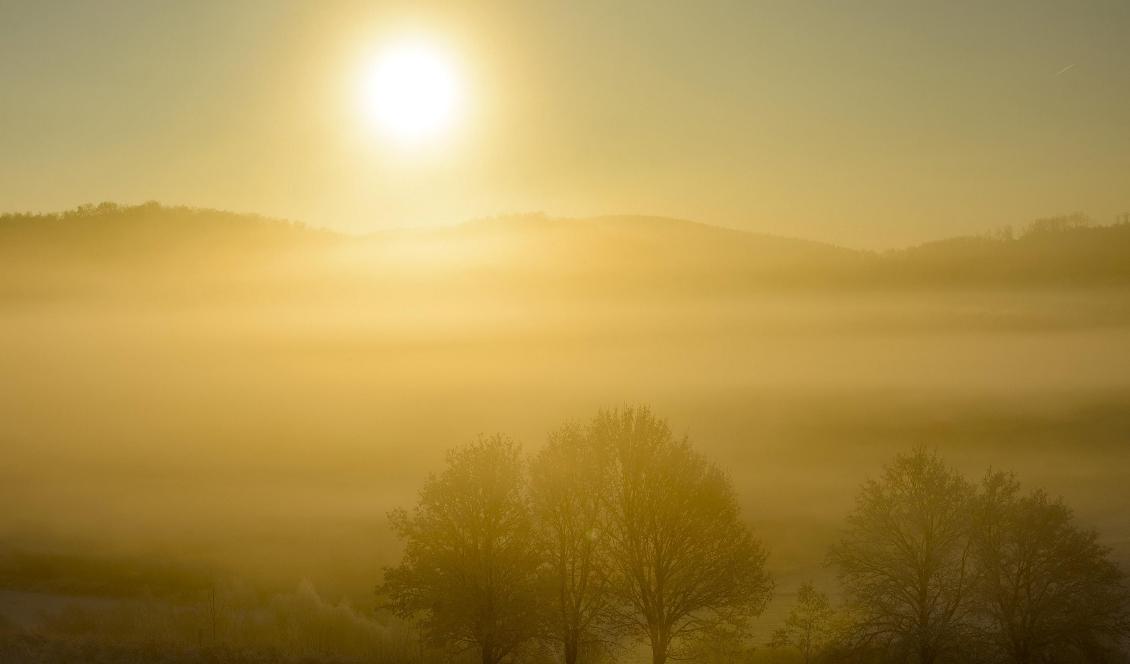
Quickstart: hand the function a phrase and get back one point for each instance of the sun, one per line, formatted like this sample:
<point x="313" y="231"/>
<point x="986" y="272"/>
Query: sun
<point x="410" y="92"/>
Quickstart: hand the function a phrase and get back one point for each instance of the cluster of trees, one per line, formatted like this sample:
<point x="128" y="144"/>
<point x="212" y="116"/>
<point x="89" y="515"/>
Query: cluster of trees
<point x="1058" y="224"/>
<point x="1044" y="226"/>
<point x="163" y="227"/>
<point x="619" y="531"/>
<point x="936" y="568"/>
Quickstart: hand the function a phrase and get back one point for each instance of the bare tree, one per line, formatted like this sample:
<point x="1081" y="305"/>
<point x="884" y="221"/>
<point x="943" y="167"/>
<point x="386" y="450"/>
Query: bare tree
<point x="683" y="563"/>
<point x="1047" y="590"/>
<point x="470" y="564"/>
<point x="566" y="483"/>
<point x="810" y="625"/>
<point x="904" y="560"/>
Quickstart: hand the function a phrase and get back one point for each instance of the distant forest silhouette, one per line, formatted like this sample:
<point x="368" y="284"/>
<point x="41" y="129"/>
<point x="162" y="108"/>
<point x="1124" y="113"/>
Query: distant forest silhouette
<point x="626" y="252"/>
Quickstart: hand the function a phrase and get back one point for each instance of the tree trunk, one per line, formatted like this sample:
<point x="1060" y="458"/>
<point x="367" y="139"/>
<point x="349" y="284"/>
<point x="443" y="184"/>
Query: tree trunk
<point x="926" y="654"/>
<point x="1022" y="655"/>
<point x="659" y="648"/>
<point x="570" y="652"/>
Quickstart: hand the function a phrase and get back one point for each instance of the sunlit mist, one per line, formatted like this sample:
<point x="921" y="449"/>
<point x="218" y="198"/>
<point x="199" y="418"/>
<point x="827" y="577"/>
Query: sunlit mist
<point x="540" y="332"/>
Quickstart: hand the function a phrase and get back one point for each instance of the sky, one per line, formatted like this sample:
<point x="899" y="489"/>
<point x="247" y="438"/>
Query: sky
<point x="867" y="124"/>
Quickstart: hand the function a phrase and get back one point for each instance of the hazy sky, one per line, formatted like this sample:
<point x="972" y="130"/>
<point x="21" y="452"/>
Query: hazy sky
<point x="863" y="123"/>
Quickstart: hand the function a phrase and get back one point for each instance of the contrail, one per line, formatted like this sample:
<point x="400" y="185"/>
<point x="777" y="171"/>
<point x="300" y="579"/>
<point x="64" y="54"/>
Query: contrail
<point x="1066" y="69"/>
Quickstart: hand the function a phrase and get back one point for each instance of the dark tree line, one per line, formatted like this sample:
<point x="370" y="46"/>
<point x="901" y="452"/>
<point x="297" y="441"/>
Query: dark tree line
<point x="618" y="531"/>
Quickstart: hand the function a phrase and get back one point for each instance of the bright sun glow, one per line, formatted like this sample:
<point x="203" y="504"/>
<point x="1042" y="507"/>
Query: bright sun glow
<point x="411" y="92"/>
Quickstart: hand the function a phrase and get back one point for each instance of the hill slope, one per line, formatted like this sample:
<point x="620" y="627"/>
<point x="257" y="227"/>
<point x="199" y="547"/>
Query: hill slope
<point x="110" y="247"/>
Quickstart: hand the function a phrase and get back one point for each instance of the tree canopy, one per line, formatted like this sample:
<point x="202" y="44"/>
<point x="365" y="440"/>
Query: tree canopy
<point x="470" y="565"/>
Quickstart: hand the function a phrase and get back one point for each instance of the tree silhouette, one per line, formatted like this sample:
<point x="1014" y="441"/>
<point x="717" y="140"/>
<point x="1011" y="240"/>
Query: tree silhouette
<point x="683" y="563"/>
<point x="1047" y="590"/>
<point x="809" y="627"/>
<point x="566" y="483"/>
<point x="470" y="564"/>
<point x="904" y="560"/>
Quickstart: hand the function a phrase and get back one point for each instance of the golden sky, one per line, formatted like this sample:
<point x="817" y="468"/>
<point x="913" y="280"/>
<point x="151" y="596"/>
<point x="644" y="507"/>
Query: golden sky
<point x="869" y="124"/>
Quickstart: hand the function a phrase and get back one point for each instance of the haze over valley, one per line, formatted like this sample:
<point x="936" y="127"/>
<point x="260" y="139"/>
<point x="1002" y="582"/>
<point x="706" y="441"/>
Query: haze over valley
<point x="497" y="332"/>
<point x="237" y="391"/>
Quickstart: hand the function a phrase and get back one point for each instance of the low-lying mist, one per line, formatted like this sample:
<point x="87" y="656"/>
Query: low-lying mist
<point x="253" y="402"/>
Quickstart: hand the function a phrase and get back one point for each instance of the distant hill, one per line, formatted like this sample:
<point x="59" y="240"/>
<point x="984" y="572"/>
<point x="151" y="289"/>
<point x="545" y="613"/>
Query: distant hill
<point x="1073" y="255"/>
<point x="124" y="250"/>
<point x="618" y="252"/>
<point x="114" y="233"/>
<point x="640" y="241"/>
<point x="150" y="246"/>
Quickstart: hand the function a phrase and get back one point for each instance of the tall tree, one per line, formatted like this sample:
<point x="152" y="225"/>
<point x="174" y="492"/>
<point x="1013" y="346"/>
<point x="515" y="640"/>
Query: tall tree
<point x="470" y="562"/>
<point x="683" y="562"/>
<point x="904" y="560"/>
<point x="809" y="627"/>
<point x="1047" y="589"/>
<point x="566" y="483"/>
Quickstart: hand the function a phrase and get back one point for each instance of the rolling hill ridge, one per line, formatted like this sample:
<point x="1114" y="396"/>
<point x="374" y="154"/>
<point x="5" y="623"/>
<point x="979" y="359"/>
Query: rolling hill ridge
<point x="112" y="246"/>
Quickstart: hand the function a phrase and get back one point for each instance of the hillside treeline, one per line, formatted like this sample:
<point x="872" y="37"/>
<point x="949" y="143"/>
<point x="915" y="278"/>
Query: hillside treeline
<point x="114" y="249"/>
<point x="618" y="532"/>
